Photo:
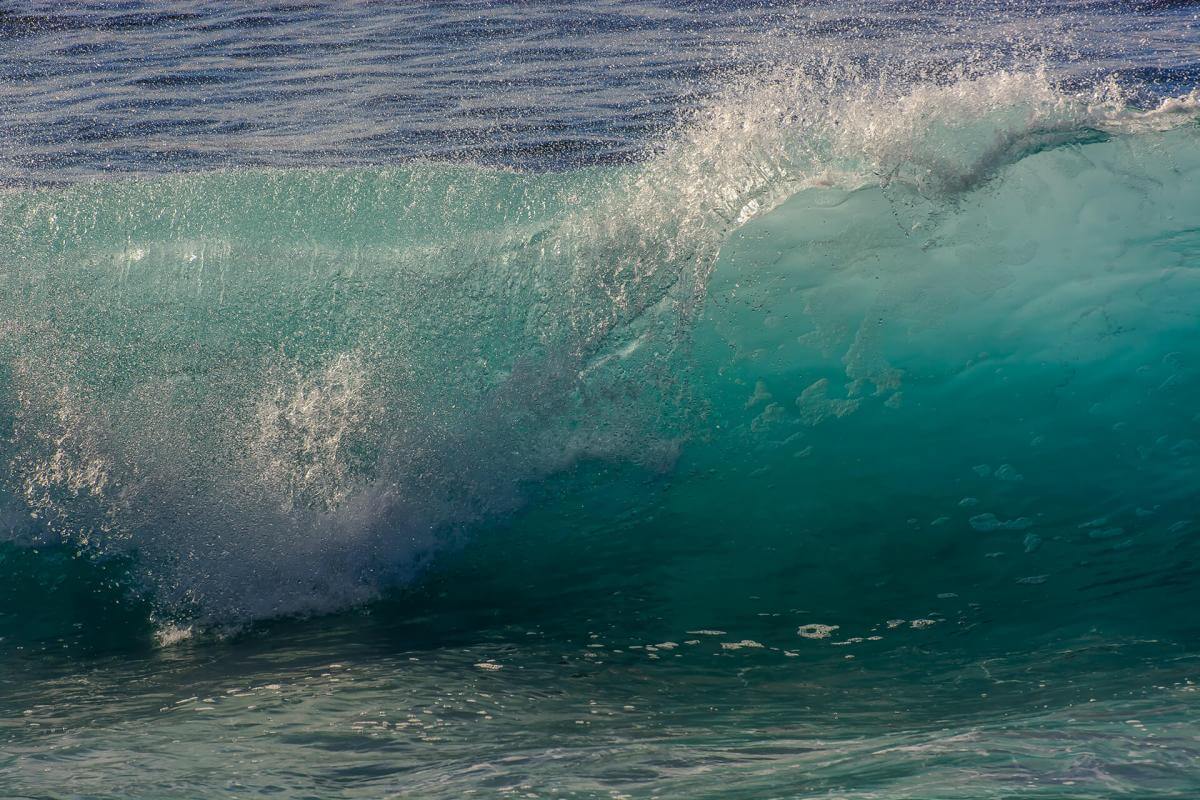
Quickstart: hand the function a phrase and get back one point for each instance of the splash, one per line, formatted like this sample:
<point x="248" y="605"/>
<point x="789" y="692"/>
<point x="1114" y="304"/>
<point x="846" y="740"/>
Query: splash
<point x="284" y="391"/>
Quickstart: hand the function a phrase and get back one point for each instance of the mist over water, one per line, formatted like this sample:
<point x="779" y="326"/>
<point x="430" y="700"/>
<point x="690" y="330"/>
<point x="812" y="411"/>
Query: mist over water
<point x="722" y="400"/>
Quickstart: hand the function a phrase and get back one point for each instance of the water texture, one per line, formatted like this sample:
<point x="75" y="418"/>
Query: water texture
<point x="707" y="400"/>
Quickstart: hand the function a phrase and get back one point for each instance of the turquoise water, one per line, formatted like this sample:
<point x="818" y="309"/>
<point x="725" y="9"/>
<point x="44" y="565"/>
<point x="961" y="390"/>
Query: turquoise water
<point x="842" y="444"/>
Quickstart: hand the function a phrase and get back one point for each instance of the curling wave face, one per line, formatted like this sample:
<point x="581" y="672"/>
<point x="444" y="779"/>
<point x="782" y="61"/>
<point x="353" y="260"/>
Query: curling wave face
<point x="829" y="299"/>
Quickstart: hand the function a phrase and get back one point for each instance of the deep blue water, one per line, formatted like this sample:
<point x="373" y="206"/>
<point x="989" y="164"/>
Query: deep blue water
<point x="600" y="400"/>
<point x="95" y="89"/>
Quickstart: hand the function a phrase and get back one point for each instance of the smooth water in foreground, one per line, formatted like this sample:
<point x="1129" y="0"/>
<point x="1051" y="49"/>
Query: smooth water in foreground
<point x="845" y="443"/>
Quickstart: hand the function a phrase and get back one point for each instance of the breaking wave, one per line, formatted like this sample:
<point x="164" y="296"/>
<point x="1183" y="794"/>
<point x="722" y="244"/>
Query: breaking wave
<point x="280" y="392"/>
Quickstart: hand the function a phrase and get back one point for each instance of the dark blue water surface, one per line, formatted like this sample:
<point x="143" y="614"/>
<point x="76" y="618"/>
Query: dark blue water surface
<point x="97" y="88"/>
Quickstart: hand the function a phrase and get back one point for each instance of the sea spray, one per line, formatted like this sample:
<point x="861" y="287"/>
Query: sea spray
<point x="283" y="391"/>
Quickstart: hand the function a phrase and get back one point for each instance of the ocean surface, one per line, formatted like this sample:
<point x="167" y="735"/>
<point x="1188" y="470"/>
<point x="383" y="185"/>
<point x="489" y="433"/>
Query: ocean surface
<point x="704" y="399"/>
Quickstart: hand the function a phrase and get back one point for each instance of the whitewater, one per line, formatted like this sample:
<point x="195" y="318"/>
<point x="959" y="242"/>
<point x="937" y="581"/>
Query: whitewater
<point x="841" y="442"/>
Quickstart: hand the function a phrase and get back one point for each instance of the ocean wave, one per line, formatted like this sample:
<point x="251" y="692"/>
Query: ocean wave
<point x="280" y="392"/>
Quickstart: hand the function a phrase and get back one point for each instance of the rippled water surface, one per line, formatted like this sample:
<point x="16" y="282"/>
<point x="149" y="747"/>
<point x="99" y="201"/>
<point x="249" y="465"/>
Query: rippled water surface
<point x="95" y="88"/>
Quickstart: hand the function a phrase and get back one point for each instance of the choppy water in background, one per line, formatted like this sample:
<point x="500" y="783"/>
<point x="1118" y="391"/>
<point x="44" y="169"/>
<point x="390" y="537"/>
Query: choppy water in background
<point x="600" y="400"/>
<point x="90" y="89"/>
